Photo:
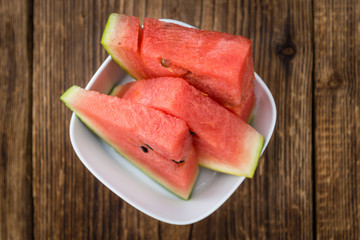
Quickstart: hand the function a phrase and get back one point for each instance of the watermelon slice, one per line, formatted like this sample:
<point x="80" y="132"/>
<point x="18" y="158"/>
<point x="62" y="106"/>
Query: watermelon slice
<point x="157" y="143"/>
<point x="224" y="142"/>
<point x="218" y="64"/>
<point x="121" y="40"/>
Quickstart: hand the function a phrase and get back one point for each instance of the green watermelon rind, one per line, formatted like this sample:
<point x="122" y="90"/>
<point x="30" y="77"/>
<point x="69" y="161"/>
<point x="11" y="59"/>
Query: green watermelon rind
<point x="251" y="118"/>
<point x="255" y="164"/>
<point x="116" y="90"/>
<point x="106" y="35"/>
<point x="113" y="90"/>
<point x="74" y="88"/>
<point x="249" y="173"/>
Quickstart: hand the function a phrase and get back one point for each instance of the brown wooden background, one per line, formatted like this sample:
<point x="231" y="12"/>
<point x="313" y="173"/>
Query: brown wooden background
<point x="307" y="184"/>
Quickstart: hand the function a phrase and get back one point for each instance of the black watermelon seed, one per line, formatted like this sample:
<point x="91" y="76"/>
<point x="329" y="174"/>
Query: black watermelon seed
<point x="149" y="147"/>
<point x="181" y="161"/>
<point x="192" y="133"/>
<point x="144" y="149"/>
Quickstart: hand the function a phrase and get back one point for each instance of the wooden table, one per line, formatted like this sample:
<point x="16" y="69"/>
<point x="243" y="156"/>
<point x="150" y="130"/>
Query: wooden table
<point x="307" y="184"/>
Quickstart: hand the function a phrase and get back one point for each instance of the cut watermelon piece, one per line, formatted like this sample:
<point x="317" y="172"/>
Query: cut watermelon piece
<point x="157" y="143"/>
<point x="218" y="64"/>
<point x="121" y="40"/>
<point x="224" y="142"/>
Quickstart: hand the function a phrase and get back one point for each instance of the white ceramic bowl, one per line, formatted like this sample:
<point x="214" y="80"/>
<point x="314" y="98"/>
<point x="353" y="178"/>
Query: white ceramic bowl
<point x="212" y="188"/>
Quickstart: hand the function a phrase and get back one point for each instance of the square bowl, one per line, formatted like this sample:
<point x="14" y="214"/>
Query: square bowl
<point x="212" y="188"/>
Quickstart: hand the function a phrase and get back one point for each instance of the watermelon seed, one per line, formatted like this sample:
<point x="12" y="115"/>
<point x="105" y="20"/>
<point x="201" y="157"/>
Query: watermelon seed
<point x="144" y="149"/>
<point x="165" y="63"/>
<point x="149" y="147"/>
<point x="181" y="161"/>
<point x="192" y="133"/>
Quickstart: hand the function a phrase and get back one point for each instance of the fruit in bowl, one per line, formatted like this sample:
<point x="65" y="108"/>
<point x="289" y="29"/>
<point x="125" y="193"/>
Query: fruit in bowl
<point x="123" y="39"/>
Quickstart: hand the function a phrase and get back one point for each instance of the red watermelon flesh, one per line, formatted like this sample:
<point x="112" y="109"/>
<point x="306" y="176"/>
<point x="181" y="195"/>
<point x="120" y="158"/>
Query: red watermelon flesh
<point x="218" y="64"/>
<point x="121" y="39"/>
<point x="224" y="142"/>
<point x="245" y="109"/>
<point x="157" y="143"/>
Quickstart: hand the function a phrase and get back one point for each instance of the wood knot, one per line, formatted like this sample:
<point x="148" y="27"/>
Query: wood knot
<point x="286" y="51"/>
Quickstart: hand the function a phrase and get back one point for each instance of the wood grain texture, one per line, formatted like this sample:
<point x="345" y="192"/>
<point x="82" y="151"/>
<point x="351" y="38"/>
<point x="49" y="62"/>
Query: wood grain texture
<point x="68" y="201"/>
<point x="337" y="146"/>
<point x="307" y="182"/>
<point x="15" y="120"/>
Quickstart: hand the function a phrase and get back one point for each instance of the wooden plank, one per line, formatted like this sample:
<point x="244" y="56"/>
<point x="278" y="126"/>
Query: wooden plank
<point x="69" y="203"/>
<point x="15" y="120"/>
<point x="337" y="104"/>
<point x="277" y="202"/>
<point x="189" y="12"/>
<point x="284" y="58"/>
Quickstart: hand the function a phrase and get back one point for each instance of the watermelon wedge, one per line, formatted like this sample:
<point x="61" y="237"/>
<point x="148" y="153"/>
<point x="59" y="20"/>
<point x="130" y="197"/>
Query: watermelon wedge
<point x="224" y="142"/>
<point x="121" y="40"/>
<point x="219" y="64"/>
<point x="157" y="143"/>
